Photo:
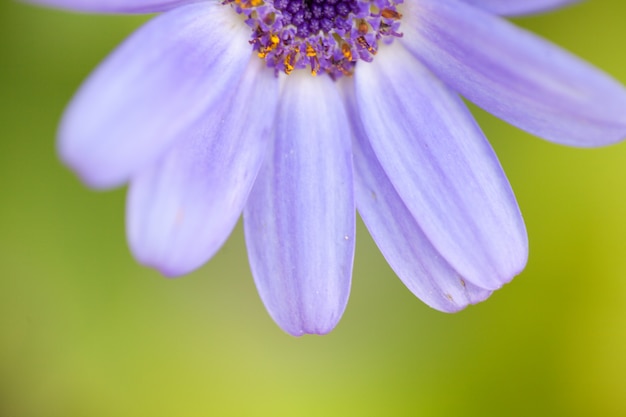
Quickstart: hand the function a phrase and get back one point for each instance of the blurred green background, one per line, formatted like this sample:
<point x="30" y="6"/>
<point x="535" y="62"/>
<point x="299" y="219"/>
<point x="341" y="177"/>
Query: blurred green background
<point x="85" y="331"/>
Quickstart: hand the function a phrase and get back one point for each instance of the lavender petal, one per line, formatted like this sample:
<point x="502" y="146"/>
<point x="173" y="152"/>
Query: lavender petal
<point x="114" y="6"/>
<point x="300" y="218"/>
<point x="183" y="208"/>
<point x="519" y="7"/>
<point x="442" y="167"/>
<point x="515" y="75"/>
<point x="401" y="240"/>
<point x="151" y="90"/>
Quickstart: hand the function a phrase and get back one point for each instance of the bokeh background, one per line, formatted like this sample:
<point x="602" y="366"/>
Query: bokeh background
<point x="86" y="332"/>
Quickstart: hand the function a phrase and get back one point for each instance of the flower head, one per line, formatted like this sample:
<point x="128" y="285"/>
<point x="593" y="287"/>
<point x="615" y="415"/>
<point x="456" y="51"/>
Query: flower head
<point x="299" y="112"/>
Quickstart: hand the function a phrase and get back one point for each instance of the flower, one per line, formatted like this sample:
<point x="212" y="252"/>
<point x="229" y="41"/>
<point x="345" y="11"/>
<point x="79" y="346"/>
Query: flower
<point x="296" y="112"/>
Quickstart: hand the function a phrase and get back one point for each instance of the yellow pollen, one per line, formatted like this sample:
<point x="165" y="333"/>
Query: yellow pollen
<point x="248" y="4"/>
<point x="391" y="14"/>
<point x="363" y="27"/>
<point x="315" y="66"/>
<point x="344" y="71"/>
<point x="274" y="40"/>
<point x="290" y="60"/>
<point x="347" y="53"/>
<point x="315" y="63"/>
<point x="361" y="40"/>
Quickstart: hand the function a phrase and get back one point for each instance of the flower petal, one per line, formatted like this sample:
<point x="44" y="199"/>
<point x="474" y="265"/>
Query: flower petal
<point x="300" y="219"/>
<point x="519" y="7"/>
<point x="515" y="75"/>
<point x="115" y="6"/>
<point x="153" y="88"/>
<point x="442" y="167"/>
<point x="401" y="240"/>
<point x="182" y="209"/>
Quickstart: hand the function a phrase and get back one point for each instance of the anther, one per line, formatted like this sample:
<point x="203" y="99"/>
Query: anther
<point x="329" y="36"/>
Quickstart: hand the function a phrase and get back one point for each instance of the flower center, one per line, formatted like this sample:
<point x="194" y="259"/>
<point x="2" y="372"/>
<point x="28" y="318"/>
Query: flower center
<point x="327" y="36"/>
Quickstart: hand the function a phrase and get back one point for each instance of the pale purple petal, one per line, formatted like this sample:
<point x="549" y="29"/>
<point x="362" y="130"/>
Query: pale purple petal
<point x="115" y="6"/>
<point x="519" y="7"/>
<point x="300" y="218"/>
<point x="442" y="167"/>
<point x="151" y="90"/>
<point x="182" y="209"/>
<point x="516" y="75"/>
<point x="407" y="250"/>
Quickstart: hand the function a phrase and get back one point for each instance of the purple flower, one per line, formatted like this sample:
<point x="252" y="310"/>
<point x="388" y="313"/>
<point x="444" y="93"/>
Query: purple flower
<point x="298" y="112"/>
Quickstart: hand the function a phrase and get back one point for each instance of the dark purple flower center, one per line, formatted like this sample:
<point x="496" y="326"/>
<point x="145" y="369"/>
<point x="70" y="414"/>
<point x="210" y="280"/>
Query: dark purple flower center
<point x="311" y="16"/>
<point x="327" y="36"/>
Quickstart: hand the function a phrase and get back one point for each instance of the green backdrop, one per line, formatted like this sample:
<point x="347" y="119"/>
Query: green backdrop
<point x="86" y="332"/>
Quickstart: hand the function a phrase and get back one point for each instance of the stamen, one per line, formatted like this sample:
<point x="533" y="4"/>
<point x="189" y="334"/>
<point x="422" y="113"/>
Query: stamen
<point x="391" y="14"/>
<point x="347" y="53"/>
<point x="329" y="36"/>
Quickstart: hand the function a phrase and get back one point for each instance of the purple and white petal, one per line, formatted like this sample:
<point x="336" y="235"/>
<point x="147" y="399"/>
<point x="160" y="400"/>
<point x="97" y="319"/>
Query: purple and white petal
<point x="184" y="207"/>
<point x="405" y="247"/>
<point x="519" y="7"/>
<point x="300" y="217"/>
<point x="151" y="90"/>
<point x="442" y="167"/>
<point x="115" y="6"/>
<point x="516" y="75"/>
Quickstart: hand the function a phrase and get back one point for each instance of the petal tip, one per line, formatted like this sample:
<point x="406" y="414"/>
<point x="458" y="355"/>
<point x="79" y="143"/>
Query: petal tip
<point x="165" y="264"/>
<point x="308" y="330"/>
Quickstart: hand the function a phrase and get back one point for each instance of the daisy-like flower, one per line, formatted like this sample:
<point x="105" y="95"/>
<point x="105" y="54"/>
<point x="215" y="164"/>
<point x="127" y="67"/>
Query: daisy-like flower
<point x="299" y="112"/>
